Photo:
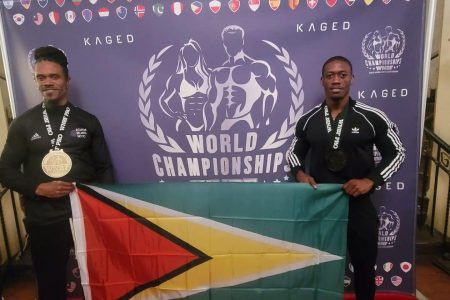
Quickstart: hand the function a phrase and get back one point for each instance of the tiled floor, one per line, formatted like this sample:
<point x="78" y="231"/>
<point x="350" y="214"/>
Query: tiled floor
<point x="431" y="281"/>
<point x="19" y="287"/>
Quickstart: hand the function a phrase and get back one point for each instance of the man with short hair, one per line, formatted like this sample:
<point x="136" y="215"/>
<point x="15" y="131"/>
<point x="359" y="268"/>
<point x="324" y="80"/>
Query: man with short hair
<point x="48" y="148"/>
<point x="339" y="135"/>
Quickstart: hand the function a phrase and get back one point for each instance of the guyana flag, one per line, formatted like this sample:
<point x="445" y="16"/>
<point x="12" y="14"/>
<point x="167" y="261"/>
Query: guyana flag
<point x="217" y="241"/>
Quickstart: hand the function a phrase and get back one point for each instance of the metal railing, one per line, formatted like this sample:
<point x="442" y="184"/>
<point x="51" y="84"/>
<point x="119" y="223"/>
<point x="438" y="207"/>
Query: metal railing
<point x="17" y="220"/>
<point x="436" y="152"/>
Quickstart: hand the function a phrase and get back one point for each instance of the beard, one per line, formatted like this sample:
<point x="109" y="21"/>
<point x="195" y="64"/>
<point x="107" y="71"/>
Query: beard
<point x="53" y="98"/>
<point x="51" y="103"/>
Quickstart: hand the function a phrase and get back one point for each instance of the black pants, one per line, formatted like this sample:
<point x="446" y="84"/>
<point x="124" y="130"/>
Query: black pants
<point x="362" y="242"/>
<point x="50" y="248"/>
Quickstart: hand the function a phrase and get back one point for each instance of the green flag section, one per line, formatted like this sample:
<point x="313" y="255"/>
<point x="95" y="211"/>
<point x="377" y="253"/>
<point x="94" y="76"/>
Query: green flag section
<point x="211" y="241"/>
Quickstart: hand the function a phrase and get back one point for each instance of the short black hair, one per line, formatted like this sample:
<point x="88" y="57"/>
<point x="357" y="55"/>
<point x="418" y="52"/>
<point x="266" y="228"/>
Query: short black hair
<point x="53" y="54"/>
<point x="337" y="58"/>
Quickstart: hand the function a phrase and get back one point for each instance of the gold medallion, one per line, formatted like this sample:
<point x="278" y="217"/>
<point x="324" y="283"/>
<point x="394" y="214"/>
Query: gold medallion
<point x="56" y="163"/>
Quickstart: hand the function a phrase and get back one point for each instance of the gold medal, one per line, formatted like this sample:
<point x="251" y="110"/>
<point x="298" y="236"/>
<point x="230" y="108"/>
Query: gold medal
<point x="56" y="163"/>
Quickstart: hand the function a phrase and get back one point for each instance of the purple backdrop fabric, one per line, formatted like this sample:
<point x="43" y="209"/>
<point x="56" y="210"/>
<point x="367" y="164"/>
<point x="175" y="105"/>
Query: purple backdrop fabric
<point x="175" y="107"/>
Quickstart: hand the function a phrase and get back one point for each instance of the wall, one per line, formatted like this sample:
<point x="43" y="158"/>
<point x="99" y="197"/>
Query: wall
<point x="436" y="45"/>
<point x="440" y="78"/>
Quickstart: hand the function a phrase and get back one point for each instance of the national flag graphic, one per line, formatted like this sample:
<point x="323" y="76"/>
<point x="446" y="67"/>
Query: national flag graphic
<point x="121" y="12"/>
<point x="171" y="241"/>
<point x="158" y="9"/>
<point x="293" y="4"/>
<point x="214" y="6"/>
<point x="368" y="2"/>
<point x="19" y="19"/>
<point x="70" y="16"/>
<point x="234" y="5"/>
<point x="405" y="266"/>
<point x="76" y="272"/>
<point x="54" y="17"/>
<point x="350" y="2"/>
<point x="196" y="7"/>
<point x="312" y="3"/>
<point x="139" y="10"/>
<point x="38" y="18"/>
<point x="379" y="280"/>
<point x="103" y="12"/>
<point x="8" y="4"/>
<point x="76" y="2"/>
<point x="387" y="267"/>
<point x="254" y="4"/>
<point x="25" y="3"/>
<point x="60" y="3"/>
<point x="177" y="8"/>
<point x="396" y="280"/>
<point x="93" y="1"/>
<point x="274" y="4"/>
<point x="87" y="14"/>
<point x="70" y="287"/>
<point x="331" y="3"/>
<point x="347" y="281"/>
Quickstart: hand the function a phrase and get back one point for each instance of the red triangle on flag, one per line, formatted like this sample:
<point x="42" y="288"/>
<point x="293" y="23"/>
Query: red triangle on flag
<point x="132" y="253"/>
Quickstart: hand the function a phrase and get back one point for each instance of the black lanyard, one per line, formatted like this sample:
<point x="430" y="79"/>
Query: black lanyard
<point x="334" y="129"/>
<point x="55" y="144"/>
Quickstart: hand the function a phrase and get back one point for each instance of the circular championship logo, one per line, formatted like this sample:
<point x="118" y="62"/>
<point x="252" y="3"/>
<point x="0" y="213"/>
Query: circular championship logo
<point x="383" y="50"/>
<point x="389" y="227"/>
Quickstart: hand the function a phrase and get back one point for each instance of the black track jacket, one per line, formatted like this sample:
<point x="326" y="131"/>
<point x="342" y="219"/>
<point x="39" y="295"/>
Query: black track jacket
<point x="27" y="144"/>
<point x="364" y="127"/>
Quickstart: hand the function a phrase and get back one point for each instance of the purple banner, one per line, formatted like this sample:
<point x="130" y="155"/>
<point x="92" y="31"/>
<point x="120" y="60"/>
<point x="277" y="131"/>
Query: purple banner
<point x="212" y="90"/>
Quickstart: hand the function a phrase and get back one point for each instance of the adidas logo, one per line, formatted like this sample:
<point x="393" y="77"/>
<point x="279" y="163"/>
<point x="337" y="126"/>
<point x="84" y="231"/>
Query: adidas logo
<point x="35" y="136"/>
<point x="355" y="130"/>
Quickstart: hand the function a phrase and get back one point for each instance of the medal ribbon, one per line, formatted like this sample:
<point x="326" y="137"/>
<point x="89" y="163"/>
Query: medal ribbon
<point x="55" y="144"/>
<point x="334" y="134"/>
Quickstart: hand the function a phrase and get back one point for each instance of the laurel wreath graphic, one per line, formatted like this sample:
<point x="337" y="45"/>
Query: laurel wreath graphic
<point x="403" y="44"/>
<point x="397" y="221"/>
<point x="275" y="140"/>
<point x="395" y="230"/>
<point x="287" y="129"/>
<point x="154" y="132"/>
<point x="363" y="47"/>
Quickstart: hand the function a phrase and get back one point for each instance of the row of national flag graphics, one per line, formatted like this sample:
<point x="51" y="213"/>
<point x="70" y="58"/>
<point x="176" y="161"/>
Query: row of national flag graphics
<point x="139" y="10"/>
<point x="87" y="15"/>
<point x="232" y="4"/>
<point x="210" y="241"/>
